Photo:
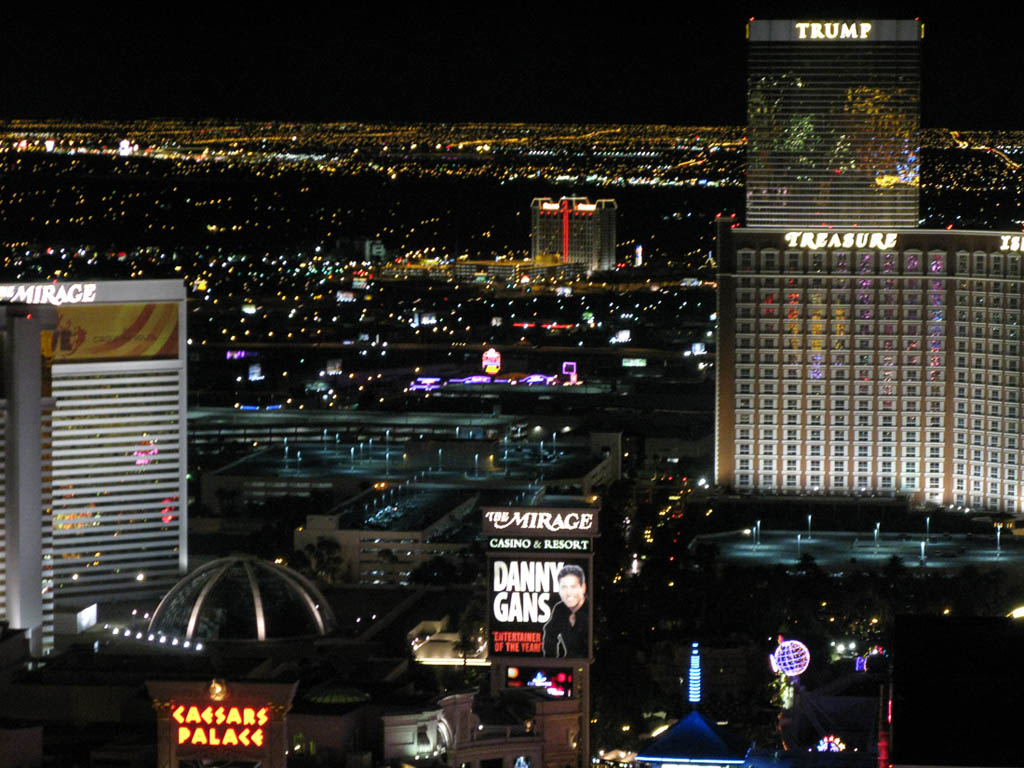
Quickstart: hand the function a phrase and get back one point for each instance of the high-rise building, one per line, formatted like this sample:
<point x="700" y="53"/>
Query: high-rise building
<point x="117" y="436"/>
<point x="579" y="232"/>
<point x="833" y="113"/>
<point x="867" y="357"/>
<point x="872" y="361"/>
<point x="26" y="534"/>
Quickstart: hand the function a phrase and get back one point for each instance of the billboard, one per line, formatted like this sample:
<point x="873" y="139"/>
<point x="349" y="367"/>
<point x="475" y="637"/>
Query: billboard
<point x="97" y="332"/>
<point x="540" y="607"/>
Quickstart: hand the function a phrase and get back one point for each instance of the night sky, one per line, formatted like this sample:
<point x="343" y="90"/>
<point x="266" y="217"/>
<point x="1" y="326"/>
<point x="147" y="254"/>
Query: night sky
<point x="510" y="62"/>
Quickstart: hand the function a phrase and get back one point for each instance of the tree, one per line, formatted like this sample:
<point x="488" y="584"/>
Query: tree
<point x="321" y="562"/>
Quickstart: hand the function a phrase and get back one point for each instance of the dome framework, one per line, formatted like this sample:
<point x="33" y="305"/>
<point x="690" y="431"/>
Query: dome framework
<point x="243" y="598"/>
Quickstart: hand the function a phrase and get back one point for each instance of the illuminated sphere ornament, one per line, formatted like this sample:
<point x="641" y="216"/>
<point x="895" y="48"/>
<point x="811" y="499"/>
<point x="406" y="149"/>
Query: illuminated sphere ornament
<point x="791" y="658"/>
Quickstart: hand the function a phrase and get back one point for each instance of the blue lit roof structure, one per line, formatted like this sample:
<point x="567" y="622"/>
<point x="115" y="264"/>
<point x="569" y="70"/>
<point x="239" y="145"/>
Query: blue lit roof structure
<point x="695" y="740"/>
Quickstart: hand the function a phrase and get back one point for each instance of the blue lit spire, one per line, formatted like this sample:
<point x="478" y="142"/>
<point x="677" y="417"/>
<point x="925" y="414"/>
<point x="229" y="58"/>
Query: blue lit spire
<point x="694" y="675"/>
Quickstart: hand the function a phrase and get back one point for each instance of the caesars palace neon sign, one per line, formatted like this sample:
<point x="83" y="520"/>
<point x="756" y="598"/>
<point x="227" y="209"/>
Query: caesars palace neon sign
<point x="49" y="293"/>
<point x="219" y="726"/>
<point x="833" y="30"/>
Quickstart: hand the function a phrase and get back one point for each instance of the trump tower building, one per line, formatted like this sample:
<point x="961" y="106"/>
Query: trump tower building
<point x="858" y="354"/>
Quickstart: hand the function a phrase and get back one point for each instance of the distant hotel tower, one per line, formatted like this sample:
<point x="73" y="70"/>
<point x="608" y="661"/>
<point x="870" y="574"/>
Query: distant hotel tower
<point x="581" y="233"/>
<point x="833" y="121"/>
<point x="867" y="357"/>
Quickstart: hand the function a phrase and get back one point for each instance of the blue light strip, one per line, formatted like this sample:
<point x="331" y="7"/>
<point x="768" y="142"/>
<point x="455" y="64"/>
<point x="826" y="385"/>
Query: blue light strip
<point x="689" y="761"/>
<point x="695" y="681"/>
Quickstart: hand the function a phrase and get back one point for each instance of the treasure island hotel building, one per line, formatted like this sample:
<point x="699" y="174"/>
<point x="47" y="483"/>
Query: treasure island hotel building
<point x="857" y="353"/>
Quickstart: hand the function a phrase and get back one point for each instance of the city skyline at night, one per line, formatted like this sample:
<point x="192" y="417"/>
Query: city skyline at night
<point x="314" y="417"/>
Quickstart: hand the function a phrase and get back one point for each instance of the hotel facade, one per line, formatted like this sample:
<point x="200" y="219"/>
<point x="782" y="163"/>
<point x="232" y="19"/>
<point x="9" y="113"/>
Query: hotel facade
<point x="580" y="233"/>
<point x="114" y="452"/>
<point x="833" y="112"/>
<point x="871" y="361"/>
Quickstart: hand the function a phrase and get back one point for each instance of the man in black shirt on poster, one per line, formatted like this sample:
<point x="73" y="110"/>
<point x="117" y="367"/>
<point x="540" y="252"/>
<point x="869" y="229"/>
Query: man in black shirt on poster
<point x="567" y="632"/>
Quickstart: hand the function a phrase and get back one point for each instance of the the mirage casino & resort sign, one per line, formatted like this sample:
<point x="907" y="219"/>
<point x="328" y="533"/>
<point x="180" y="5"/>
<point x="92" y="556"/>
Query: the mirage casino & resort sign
<point x="539" y="574"/>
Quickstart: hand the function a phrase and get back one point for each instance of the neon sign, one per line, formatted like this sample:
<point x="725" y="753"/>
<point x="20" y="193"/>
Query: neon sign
<point x="49" y="293"/>
<point x="791" y="658"/>
<point x="831" y="743"/>
<point x="580" y="545"/>
<point x="876" y="240"/>
<point x="531" y="521"/>
<point x="491" y="361"/>
<point x="695" y="674"/>
<point x="833" y="30"/>
<point x="1010" y="242"/>
<point x="220" y="726"/>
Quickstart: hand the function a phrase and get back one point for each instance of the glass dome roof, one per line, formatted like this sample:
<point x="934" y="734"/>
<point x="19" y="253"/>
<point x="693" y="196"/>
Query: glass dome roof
<point x="242" y="598"/>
